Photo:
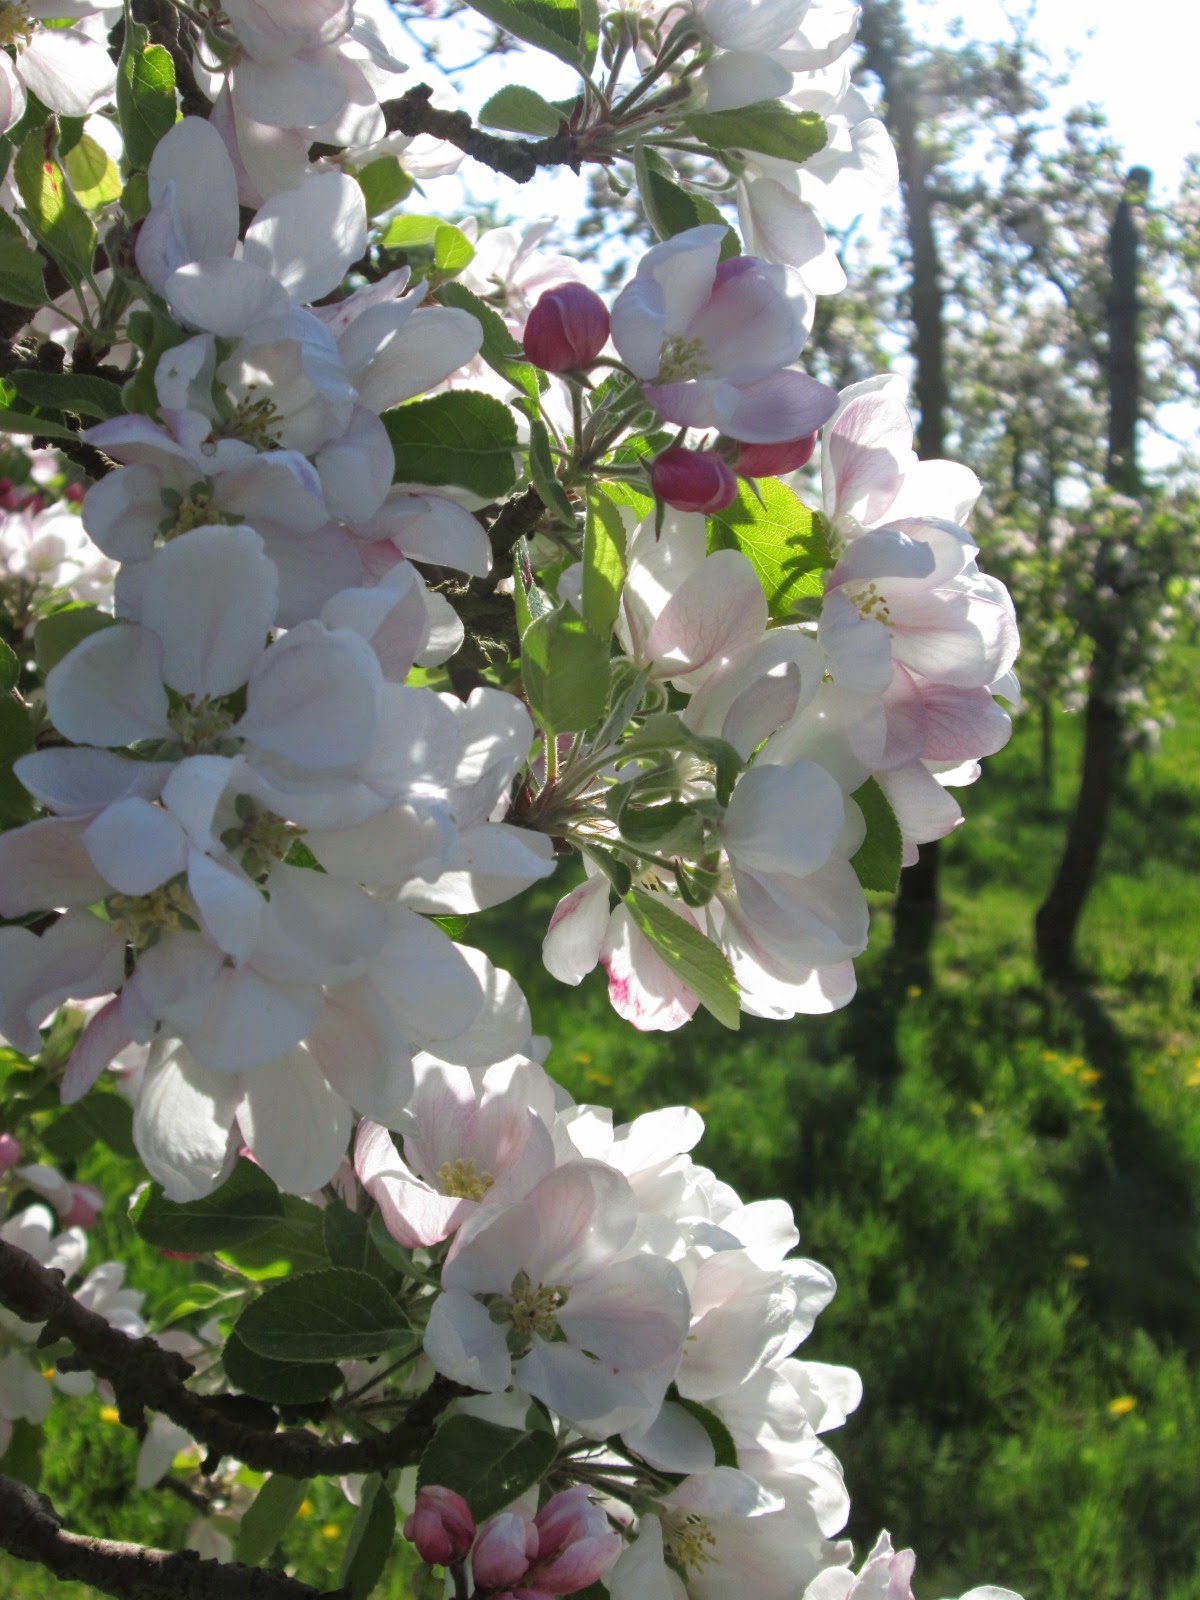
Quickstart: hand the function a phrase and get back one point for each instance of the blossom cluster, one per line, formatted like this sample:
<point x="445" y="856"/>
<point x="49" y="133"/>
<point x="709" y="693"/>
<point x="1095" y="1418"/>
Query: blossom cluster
<point x="295" y="723"/>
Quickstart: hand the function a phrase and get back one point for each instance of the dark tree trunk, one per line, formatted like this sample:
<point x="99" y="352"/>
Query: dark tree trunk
<point x="888" y="48"/>
<point x="1057" y="922"/>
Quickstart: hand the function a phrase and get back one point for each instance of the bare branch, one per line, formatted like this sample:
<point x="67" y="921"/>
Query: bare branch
<point x="32" y="1530"/>
<point x="517" y="159"/>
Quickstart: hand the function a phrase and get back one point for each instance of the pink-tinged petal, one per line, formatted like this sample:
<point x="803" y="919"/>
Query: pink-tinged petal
<point x="633" y="1314"/>
<point x="392" y="617"/>
<point x="503" y="1551"/>
<point x="884" y="554"/>
<point x="356" y="468"/>
<point x="716" y="614"/>
<point x="415" y="1215"/>
<point x="298" y="92"/>
<point x="312" y="567"/>
<point x="191" y="180"/>
<point x="315" y="698"/>
<point x="109" y="690"/>
<point x="230" y="906"/>
<point x="308" y="238"/>
<point x="105" y="1036"/>
<point x="781" y="407"/>
<point x="426" y="527"/>
<point x="317" y="929"/>
<point x="755" y="322"/>
<point x="426" y="348"/>
<point x="123" y="511"/>
<point x="868" y="449"/>
<point x="483" y="868"/>
<point x="77" y="958"/>
<point x="957" y="638"/>
<point x="242" y="1020"/>
<point x="80" y="782"/>
<point x="923" y="808"/>
<point x="297" y="1128"/>
<point x="281" y="487"/>
<point x="571" y="947"/>
<point x="225" y="297"/>
<point x="46" y="864"/>
<point x="69" y="72"/>
<point x="961" y="724"/>
<point x="859" y="648"/>
<point x="465" y="1345"/>
<point x="784" y="819"/>
<point x="183" y="1126"/>
<point x="357" y="1046"/>
<point x="211" y="597"/>
<point x="641" y="987"/>
<point x="580" y="1565"/>
<point x="136" y="846"/>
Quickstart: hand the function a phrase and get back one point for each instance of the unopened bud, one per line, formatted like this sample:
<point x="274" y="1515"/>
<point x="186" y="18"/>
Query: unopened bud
<point x="10" y="1152"/>
<point x="774" y="460"/>
<point x="84" y="1207"/>
<point x="693" y="480"/>
<point x="576" y="1546"/>
<point x="567" y="328"/>
<point x="504" y="1551"/>
<point x="441" y="1526"/>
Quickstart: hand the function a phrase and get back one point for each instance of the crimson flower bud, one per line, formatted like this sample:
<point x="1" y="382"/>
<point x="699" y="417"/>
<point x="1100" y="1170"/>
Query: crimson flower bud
<point x="10" y="1152"/>
<point x="567" y="328"/>
<point x="441" y="1526"/>
<point x="773" y="460"/>
<point x="84" y="1207"/>
<point x="693" y="480"/>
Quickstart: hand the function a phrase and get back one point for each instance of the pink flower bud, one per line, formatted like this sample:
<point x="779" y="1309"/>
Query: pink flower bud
<point x="74" y="492"/>
<point x="10" y="1152"/>
<point x="504" y="1551"/>
<point x="576" y="1547"/>
<point x="567" y="328"/>
<point x="84" y="1207"/>
<point x="693" y="480"/>
<point x="773" y="460"/>
<point x="441" y="1526"/>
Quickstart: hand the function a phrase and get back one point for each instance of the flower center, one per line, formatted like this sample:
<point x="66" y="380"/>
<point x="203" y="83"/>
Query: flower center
<point x="461" y="1181"/>
<point x="142" y="919"/>
<point x="871" y="603"/>
<point x="196" y="509"/>
<point x="688" y="1541"/>
<point x="681" y="359"/>
<point x="16" y="26"/>
<point x="256" y="421"/>
<point x="200" y="725"/>
<point x="534" y="1308"/>
<point x="260" y="839"/>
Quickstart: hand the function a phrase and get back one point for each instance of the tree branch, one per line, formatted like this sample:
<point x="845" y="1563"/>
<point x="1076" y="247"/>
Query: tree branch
<point x="143" y="1375"/>
<point x="32" y="1530"/>
<point x="517" y="159"/>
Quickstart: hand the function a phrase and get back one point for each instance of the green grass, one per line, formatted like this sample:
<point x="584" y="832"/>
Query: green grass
<point x="1004" y="1181"/>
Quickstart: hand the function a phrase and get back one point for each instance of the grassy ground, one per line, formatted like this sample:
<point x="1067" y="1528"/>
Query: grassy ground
<point x="1004" y="1181"/>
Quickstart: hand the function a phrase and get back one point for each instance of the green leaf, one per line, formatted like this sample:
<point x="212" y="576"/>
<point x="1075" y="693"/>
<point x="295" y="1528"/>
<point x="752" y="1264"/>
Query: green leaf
<point x="878" y="858"/>
<point x="349" y="1242"/>
<point x="98" y="1118"/>
<point x="463" y="437"/>
<point x="56" y="219"/>
<point x="553" y="25"/>
<point x="603" y="563"/>
<point x="145" y="94"/>
<point x="246" y="1204"/>
<point x="545" y="479"/>
<point x="499" y="349"/>
<point x="622" y="493"/>
<point x="783" y="540"/>
<point x="135" y="197"/>
<point x="718" y="1433"/>
<point x="410" y="233"/>
<point x="283" y="1383"/>
<point x="692" y="957"/>
<point x="488" y="1465"/>
<point x="332" y="1315"/>
<point x="671" y="827"/>
<point x="268" y="1519"/>
<point x="93" y="174"/>
<point x="190" y="1299"/>
<point x="370" y="1541"/>
<point x="384" y="184"/>
<point x="20" y="267"/>
<point x="23" y="1458"/>
<point x="517" y="109"/>
<point x="293" y="1244"/>
<point x="768" y="128"/>
<point x="673" y="210"/>
<point x="16" y="738"/>
<point x="452" y="250"/>
<point x="10" y="668"/>
<point x="565" y="667"/>
<point x="67" y="391"/>
<point x="57" y="635"/>
<point x="28" y="422"/>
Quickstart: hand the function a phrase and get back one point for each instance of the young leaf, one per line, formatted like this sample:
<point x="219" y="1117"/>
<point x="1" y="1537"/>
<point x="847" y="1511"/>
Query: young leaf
<point x="57" y="635"/>
<point x="517" y="109"/>
<point x="545" y="479"/>
<point x="384" y="184"/>
<point x="462" y="437"/>
<point x="145" y="94"/>
<point x="553" y="25"/>
<point x="767" y="127"/>
<point x="565" y="667"/>
<point x="246" y="1204"/>
<point x="68" y="391"/>
<point x="268" y="1519"/>
<point x="93" y="173"/>
<point x="410" y="233"/>
<point x="488" y="1465"/>
<point x="332" y="1315"/>
<point x="20" y="267"/>
<point x="370" y="1541"/>
<point x="603" y="563"/>
<point x="500" y="350"/>
<point x="692" y="957"/>
<point x="781" y="538"/>
<point x="452" y="250"/>
<point x="878" y="858"/>
<point x="671" y="209"/>
<point x="56" y="219"/>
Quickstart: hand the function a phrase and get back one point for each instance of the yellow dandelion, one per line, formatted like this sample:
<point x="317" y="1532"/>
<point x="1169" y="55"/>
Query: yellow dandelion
<point x="1067" y="1070"/>
<point x="601" y="1079"/>
<point x="582" y="1058"/>
<point x="1075" y="1061"/>
<point x="1122" y="1405"/>
<point x="109" y="1414"/>
<point x="1049" y="1055"/>
<point x="975" y="1108"/>
<point x="1090" y="1075"/>
<point x="1149" y="1070"/>
<point x="305" y="1508"/>
<point x="49" y="1374"/>
<point x="1078" y="1263"/>
<point x="700" y="1107"/>
<point x="331" y="1531"/>
<point x="1192" y="1081"/>
<point x="914" y="991"/>
<point x="1093" y="1105"/>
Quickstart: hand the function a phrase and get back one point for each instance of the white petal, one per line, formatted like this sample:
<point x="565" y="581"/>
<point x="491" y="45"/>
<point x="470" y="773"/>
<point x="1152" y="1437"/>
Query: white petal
<point x="294" y="1123"/>
<point x="315" y="698"/>
<point x="45" y="865"/>
<point x="223" y="296"/>
<point x="108" y="690"/>
<point x="136" y="846"/>
<point x="80" y="782"/>
<point x="308" y="238"/>
<point x="211" y="597"/>
<point x="68" y="72"/>
<point x="192" y="159"/>
<point x="571" y="947"/>
<point x="183" y="1126"/>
